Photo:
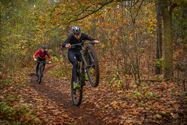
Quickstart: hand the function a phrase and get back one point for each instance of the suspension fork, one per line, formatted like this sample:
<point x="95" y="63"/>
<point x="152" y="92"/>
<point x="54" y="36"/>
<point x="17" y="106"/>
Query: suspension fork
<point x="86" y="65"/>
<point x="83" y="59"/>
<point x="91" y="57"/>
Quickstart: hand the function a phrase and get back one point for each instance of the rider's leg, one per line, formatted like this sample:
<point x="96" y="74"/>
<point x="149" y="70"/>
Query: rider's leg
<point x="44" y="64"/>
<point x="72" y="58"/>
<point x="37" y="65"/>
<point x="44" y="67"/>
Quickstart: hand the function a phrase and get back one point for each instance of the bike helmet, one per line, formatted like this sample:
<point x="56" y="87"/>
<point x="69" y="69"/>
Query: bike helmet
<point x="76" y="30"/>
<point x="44" y="46"/>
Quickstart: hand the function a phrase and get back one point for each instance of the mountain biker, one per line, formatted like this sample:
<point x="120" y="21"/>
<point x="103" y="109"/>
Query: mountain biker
<point x="41" y="55"/>
<point x="74" y="53"/>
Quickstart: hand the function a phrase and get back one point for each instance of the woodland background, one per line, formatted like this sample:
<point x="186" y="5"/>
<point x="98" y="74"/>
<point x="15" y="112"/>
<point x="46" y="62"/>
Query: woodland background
<point x="143" y="45"/>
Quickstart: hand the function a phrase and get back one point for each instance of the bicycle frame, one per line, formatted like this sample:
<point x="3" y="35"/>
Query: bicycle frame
<point x="40" y="70"/>
<point x="83" y="52"/>
<point x="83" y="67"/>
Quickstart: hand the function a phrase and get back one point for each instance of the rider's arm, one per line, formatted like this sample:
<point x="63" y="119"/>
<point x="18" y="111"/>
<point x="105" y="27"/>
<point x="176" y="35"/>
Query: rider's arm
<point x="66" y="41"/>
<point x="87" y="37"/>
<point x="49" y="56"/>
<point x="35" y="54"/>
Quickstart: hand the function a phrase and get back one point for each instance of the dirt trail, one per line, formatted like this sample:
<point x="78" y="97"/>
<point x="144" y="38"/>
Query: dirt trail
<point x="103" y="105"/>
<point x="55" y="93"/>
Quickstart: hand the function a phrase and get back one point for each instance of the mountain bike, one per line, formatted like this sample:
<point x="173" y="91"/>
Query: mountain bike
<point x="39" y="72"/>
<point x="87" y="65"/>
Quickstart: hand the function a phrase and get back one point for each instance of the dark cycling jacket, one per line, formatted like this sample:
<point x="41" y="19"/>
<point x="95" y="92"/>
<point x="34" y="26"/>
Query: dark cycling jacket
<point x="72" y="40"/>
<point x="41" y="54"/>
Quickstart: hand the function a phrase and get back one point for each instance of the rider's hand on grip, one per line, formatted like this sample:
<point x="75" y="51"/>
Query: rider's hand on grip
<point x="96" y="41"/>
<point x="68" y="45"/>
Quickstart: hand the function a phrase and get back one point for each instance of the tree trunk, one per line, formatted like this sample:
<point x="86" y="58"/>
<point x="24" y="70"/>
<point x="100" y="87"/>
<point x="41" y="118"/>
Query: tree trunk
<point x="159" y="38"/>
<point x="168" y="43"/>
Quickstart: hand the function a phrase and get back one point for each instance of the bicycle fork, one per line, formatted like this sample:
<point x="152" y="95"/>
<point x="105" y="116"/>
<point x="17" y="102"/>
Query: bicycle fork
<point x="86" y="67"/>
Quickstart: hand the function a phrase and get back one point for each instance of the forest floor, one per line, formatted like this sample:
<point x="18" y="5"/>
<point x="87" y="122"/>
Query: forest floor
<point x="153" y="104"/>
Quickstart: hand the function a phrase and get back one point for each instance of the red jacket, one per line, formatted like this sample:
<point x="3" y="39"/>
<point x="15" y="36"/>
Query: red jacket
<point x="41" y="54"/>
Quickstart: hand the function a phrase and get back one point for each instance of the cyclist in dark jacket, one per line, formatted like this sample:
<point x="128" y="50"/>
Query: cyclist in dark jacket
<point x="74" y="53"/>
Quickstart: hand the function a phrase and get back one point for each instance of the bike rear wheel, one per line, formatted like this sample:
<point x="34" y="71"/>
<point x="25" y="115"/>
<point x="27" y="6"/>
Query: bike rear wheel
<point x="77" y="94"/>
<point x="93" y="68"/>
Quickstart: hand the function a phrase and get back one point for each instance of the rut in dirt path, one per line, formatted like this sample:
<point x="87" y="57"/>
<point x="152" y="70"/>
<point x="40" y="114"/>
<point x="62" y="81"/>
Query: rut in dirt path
<point x="58" y="91"/>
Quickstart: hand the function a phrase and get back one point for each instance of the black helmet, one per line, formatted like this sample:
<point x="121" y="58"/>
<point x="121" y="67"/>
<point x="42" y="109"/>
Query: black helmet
<point x="76" y="30"/>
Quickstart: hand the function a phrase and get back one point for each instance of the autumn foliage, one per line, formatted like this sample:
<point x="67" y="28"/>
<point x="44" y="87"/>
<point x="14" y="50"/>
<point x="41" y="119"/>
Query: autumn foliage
<point x="129" y="92"/>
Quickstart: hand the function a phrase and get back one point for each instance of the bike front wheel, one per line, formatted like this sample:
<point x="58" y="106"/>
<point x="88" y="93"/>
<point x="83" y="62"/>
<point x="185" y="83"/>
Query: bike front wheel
<point x="77" y="93"/>
<point x="93" y="67"/>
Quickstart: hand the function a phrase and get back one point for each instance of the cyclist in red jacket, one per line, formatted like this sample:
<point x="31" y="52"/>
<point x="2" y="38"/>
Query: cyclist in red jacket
<point x="41" y="55"/>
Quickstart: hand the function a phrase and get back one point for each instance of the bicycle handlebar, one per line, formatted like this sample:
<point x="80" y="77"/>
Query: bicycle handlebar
<point x="78" y="44"/>
<point x="43" y="62"/>
<point x="81" y="44"/>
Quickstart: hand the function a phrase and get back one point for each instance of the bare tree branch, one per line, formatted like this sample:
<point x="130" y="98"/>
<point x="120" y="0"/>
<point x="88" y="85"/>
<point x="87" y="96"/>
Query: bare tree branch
<point x="136" y="14"/>
<point x="94" y="11"/>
